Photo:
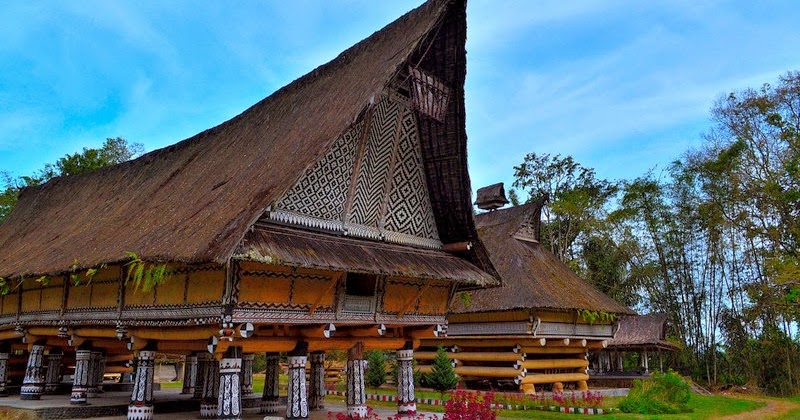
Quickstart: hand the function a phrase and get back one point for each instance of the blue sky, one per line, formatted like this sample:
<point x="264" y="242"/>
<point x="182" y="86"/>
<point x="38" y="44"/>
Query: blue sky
<point x="623" y="86"/>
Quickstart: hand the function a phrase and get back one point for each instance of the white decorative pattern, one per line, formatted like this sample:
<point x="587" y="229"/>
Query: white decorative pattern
<point x="395" y="209"/>
<point x="375" y="166"/>
<point x="229" y="396"/>
<point x="141" y="405"/>
<point x="33" y="383"/>
<point x="410" y="211"/>
<point x="322" y="191"/>
<point x="297" y="401"/>
<point x="406" y="400"/>
<point x="80" y="382"/>
<point x="356" y="393"/>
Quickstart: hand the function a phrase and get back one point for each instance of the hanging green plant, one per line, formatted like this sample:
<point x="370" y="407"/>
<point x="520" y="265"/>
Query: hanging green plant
<point x="5" y="288"/>
<point x="145" y="275"/>
<point x="466" y="299"/>
<point x="593" y="316"/>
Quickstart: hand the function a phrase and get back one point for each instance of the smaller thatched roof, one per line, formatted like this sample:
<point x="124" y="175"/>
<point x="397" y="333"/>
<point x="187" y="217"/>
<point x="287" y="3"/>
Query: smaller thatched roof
<point x="640" y="332"/>
<point x="532" y="276"/>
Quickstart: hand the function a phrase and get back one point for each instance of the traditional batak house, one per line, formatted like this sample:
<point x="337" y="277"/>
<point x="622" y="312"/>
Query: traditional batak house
<point x="538" y="328"/>
<point x="334" y="214"/>
<point x="641" y="334"/>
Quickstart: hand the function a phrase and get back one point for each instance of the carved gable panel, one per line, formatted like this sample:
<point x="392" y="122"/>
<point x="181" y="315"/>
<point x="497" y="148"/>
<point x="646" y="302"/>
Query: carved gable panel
<point x="322" y="191"/>
<point x="388" y="199"/>
<point x="409" y="210"/>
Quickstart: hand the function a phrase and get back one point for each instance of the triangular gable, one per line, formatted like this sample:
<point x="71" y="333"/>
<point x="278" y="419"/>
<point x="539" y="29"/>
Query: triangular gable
<point x="371" y="184"/>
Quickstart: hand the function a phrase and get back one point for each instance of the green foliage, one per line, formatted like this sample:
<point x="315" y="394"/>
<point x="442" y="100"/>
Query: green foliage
<point x="578" y="199"/>
<point x="466" y="298"/>
<point x="144" y="274"/>
<point x="593" y="316"/>
<point x="663" y="393"/>
<point x="442" y="377"/>
<point x="112" y="152"/>
<point x="375" y="375"/>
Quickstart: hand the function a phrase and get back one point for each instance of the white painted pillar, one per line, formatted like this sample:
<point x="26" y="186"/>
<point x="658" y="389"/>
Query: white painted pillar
<point x="141" y="405"/>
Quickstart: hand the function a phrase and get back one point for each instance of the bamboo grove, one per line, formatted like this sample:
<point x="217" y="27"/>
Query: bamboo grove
<point x="712" y="240"/>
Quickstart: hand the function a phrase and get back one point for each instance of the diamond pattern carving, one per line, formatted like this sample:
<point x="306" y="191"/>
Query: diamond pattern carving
<point x="409" y="210"/>
<point x="375" y="167"/>
<point x="322" y="192"/>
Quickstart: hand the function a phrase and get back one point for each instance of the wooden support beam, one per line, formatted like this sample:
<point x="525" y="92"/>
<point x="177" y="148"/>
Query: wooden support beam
<point x="477" y="356"/>
<point x="555" y="364"/>
<point x="554" y="377"/>
<point x="553" y="350"/>
<point x="481" y="371"/>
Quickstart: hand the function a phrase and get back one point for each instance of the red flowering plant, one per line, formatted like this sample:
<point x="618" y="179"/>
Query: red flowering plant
<point x="371" y="415"/>
<point x="464" y="405"/>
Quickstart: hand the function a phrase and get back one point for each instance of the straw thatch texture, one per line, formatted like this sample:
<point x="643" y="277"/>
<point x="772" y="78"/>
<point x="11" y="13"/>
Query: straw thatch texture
<point x="297" y="248"/>
<point x="193" y="201"/>
<point x="642" y="331"/>
<point x="532" y="276"/>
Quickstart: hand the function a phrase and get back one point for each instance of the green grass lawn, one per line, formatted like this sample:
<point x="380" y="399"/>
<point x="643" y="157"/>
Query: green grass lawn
<point x="704" y="407"/>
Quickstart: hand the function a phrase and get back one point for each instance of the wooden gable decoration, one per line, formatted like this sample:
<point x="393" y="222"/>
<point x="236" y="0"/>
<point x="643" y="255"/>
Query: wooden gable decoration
<point x="371" y="184"/>
<point x="429" y="95"/>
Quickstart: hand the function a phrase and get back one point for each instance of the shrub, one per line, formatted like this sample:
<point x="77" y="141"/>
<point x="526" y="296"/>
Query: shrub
<point x="375" y="375"/>
<point x="664" y="393"/>
<point x="442" y="377"/>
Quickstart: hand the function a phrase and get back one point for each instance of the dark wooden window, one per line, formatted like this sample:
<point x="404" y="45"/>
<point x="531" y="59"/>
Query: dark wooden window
<point x="360" y="284"/>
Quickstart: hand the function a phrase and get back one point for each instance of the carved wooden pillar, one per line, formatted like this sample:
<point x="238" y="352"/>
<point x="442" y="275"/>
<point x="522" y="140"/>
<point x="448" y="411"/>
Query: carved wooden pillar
<point x="247" y="374"/>
<point x="189" y="374"/>
<point x="203" y="358"/>
<point x="317" y="396"/>
<point x="53" y="378"/>
<point x="4" y="356"/>
<point x="356" y="394"/>
<point x="208" y="403"/>
<point x="100" y="372"/>
<point x="94" y="366"/>
<point x="269" y="400"/>
<point x="229" y="403"/>
<point x="297" y="402"/>
<point x="33" y="383"/>
<point x="80" y="382"/>
<point x="141" y="405"/>
<point x="406" y="400"/>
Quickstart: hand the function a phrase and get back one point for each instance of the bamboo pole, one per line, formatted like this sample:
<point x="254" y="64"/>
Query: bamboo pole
<point x="554" y="377"/>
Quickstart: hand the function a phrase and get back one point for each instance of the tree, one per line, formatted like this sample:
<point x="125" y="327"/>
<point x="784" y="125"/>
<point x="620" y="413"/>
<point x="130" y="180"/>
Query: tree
<point x="113" y="151"/>
<point x="442" y="377"/>
<point x="578" y="199"/>
<point x="375" y="375"/>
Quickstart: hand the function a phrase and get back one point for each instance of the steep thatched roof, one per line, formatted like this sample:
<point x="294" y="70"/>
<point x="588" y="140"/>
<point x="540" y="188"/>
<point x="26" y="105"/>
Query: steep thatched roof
<point x="532" y="276"/>
<point x="194" y="201"/>
<point x="642" y="331"/>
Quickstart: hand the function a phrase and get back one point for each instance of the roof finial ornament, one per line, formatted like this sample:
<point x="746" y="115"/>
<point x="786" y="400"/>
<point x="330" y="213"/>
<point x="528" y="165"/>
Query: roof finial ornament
<point x="491" y="197"/>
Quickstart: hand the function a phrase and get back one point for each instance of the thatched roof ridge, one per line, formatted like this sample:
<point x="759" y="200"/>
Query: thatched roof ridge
<point x="532" y="276"/>
<point x="193" y="201"/>
<point x="641" y="331"/>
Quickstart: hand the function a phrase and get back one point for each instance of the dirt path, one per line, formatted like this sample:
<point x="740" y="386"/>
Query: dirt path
<point x="773" y="408"/>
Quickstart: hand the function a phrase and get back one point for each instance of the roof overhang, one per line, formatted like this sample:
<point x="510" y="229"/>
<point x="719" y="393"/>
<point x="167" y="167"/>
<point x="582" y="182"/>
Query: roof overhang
<point x="283" y="245"/>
